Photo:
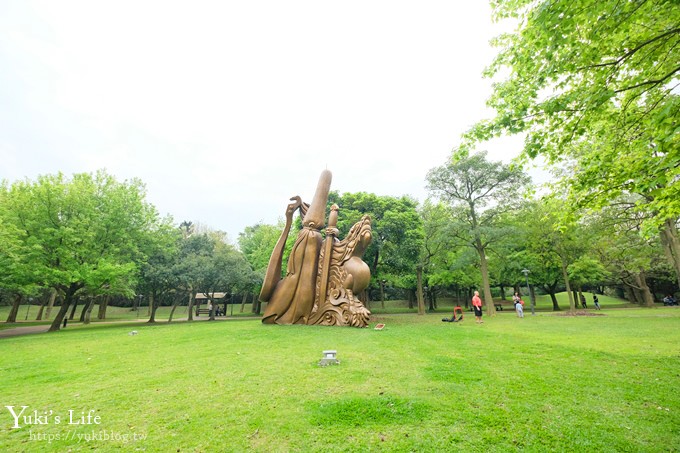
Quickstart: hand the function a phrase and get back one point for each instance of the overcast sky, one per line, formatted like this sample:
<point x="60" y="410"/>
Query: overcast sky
<point x="227" y="109"/>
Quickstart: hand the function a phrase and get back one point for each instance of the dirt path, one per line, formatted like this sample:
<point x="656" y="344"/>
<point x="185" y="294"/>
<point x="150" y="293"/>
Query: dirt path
<point x="25" y="330"/>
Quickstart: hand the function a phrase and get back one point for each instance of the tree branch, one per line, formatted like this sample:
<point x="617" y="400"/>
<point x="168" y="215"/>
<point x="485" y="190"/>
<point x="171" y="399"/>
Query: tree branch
<point x="632" y="51"/>
<point x="650" y="82"/>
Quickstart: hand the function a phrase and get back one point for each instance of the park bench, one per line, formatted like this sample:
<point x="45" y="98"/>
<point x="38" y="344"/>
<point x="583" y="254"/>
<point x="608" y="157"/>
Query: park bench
<point x="202" y="311"/>
<point x="503" y="303"/>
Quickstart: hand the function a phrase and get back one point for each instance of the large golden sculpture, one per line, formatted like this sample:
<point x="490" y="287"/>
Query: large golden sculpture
<point x="323" y="274"/>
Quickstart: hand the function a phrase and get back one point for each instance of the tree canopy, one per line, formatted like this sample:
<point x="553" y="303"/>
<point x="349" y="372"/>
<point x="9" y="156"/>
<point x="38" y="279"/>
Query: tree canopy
<point x="595" y="83"/>
<point x="80" y="233"/>
<point x="396" y="226"/>
<point x="479" y="192"/>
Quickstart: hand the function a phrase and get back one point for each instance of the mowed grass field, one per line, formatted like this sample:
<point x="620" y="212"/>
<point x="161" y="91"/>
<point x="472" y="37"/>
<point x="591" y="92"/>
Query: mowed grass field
<point x="542" y="383"/>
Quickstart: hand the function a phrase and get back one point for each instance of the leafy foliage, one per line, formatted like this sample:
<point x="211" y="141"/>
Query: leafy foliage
<point x="593" y="82"/>
<point x="479" y="193"/>
<point x="396" y="226"/>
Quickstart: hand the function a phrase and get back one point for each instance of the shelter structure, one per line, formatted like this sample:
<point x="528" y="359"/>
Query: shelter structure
<point x="204" y="298"/>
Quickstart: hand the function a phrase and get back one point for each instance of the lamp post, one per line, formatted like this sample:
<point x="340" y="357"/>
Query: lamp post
<point x="526" y="275"/>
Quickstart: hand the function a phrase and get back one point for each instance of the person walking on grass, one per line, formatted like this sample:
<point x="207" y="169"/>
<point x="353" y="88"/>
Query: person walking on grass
<point x="477" y="307"/>
<point x="596" y="301"/>
<point x="519" y="305"/>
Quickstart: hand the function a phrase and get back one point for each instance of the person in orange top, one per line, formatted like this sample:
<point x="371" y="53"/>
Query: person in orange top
<point x="477" y="306"/>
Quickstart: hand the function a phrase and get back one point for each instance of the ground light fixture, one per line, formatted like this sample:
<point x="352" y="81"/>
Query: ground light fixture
<point x="329" y="358"/>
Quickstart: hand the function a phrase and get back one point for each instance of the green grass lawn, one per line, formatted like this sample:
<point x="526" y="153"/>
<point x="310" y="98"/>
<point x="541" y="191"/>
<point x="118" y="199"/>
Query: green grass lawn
<point x="542" y="383"/>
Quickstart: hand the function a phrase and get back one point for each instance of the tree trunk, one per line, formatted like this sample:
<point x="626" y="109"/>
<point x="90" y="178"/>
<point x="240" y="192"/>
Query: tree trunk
<point x="190" y="315"/>
<point x="61" y="314"/>
<point x="14" y="311"/>
<point x="53" y="297"/>
<point x="86" y="307"/>
<point x="630" y="294"/>
<point x="502" y="288"/>
<point x="88" y="313"/>
<point x="152" y="305"/>
<point x="647" y="297"/>
<point x="42" y="307"/>
<point x="213" y="307"/>
<point x="73" y="309"/>
<point x="68" y="298"/>
<point x="243" y="303"/>
<point x="671" y="246"/>
<point x="553" y="297"/>
<point x="565" y="276"/>
<point x="175" y="302"/>
<point x="638" y="296"/>
<point x="582" y="298"/>
<point x="103" y="305"/>
<point x="382" y="293"/>
<point x="256" y="305"/>
<point x="550" y="289"/>
<point x="421" y="302"/>
<point x="484" y="268"/>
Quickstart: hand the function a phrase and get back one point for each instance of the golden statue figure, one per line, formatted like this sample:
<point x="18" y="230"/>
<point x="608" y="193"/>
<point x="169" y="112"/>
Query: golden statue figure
<point x="323" y="275"/>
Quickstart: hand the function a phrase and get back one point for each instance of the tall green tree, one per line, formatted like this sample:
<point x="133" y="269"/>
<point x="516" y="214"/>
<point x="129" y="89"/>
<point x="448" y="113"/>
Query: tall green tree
<point x="436" y="219"/>
<point x="210" y="265"/>
<point x="157" y="276"/>
<point x="629" y="256"/>
<point x="195" y="251"/>
<point x="397" y="232"/>
<point x="594" y="83"/>
<point x="257" y="243"/>
<point x="587" y="270"/>
<point x="566" y="237"/>
<point x="81" y="232"/>
<point x="17" y="278"/>
<point x="479" y="192"/>
<point x="539" y="251"/>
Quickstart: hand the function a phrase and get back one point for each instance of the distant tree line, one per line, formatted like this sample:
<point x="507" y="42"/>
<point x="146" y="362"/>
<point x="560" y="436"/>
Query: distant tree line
<point x="95" y="239"/>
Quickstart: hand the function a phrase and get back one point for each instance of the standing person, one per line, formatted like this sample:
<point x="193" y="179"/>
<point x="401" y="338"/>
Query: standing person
<point x="596" y="302"/>
<point x="519" y="307"/>
<point x="477" y="307"/>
